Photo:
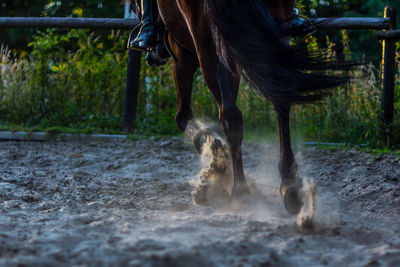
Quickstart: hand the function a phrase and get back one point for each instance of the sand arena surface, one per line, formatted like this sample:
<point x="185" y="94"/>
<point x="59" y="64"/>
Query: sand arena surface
<point x="129" y="203"/>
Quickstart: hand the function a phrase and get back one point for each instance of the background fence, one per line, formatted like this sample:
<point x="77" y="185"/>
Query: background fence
<point x="387" y="23"/>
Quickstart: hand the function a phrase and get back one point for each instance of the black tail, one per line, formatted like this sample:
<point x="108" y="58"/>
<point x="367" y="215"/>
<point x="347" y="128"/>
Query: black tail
<point x="247" y="37"/>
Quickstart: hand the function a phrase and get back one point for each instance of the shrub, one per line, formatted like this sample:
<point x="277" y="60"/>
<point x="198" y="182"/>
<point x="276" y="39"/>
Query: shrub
<point x="75" y="79"/>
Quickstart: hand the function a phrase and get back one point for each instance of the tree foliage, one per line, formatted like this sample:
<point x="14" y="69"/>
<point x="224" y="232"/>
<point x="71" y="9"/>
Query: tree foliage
<point x="363" y="43"/>
<point x="17" y="39"/>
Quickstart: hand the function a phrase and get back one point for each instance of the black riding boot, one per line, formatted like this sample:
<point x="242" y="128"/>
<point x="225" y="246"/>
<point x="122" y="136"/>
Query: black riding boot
<point x="147" y="38"/>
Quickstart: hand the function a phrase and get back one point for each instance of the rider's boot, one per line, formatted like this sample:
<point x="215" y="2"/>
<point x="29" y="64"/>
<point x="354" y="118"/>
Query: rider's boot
<point x="147" y="37"/>
<point x="302" y="27"/>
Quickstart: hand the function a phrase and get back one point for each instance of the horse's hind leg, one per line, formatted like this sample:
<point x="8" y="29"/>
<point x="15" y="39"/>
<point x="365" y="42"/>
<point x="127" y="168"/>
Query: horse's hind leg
<point x="224" y="87"/>
<point x="221" y="83"/>
<point x="287" y="165"/>
<point x="232" y="125"/>
<point x="183" y="69"/>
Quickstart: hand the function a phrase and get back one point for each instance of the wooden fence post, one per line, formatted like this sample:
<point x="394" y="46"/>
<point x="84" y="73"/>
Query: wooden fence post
<point x="131" y="90"/>
<point x="132" y="83"/>
<point x="388" y="73"/>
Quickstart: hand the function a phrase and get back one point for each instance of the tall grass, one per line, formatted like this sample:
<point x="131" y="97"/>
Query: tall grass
<point x="76" y="79"/>
<point x="67" y="80"/>
<point x="352" y="114"/>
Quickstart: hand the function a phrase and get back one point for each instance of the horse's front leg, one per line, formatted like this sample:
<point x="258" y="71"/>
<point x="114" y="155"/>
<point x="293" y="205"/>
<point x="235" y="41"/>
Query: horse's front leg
<point x="184" y="69"/>
<point x="291" y="184"/>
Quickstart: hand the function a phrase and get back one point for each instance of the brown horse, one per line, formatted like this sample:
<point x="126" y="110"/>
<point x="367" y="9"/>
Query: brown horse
<point x="230" y="39"/>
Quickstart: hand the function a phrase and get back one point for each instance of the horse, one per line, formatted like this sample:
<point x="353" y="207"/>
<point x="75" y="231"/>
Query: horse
<point x="230" y="40"/>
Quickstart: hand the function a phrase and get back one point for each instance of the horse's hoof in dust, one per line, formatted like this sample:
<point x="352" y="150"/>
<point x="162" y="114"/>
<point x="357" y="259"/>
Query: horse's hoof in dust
<point x="291" y="199"/>
<point x="199" y="139"/>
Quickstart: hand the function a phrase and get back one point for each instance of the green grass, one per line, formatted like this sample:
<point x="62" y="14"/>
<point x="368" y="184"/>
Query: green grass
<point x="372" y="151"/>
<point x="74" y="82"/>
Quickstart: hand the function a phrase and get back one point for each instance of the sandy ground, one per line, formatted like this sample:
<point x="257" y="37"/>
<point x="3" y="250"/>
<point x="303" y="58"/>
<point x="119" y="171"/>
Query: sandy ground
<point x="127" y="202"/>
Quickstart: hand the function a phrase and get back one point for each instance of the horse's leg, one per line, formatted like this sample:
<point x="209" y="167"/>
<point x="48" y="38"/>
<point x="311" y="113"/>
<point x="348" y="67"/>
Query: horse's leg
<point x="287" y="165"/>
<point x="225" y="88"/>
<point x="183" y="69"/>
<point x="221" y="83"/>
<point x="232" y="125"/>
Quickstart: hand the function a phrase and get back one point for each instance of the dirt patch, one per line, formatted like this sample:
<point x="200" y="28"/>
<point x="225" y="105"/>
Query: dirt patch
<point x="130" y="203"/>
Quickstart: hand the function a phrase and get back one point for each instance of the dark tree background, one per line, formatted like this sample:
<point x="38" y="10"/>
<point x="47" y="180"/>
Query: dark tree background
<point x="17" y="39"/>
<point x="362" y="43"/>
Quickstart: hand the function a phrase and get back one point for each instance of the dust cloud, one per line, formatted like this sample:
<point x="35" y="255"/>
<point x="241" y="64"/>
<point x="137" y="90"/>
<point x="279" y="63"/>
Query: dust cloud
<point x="130" y="203"/>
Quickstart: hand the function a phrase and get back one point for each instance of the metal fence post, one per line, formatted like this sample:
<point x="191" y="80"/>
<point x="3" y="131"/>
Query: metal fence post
<point x="132" y="83"/>
<point x="388" y="72"/>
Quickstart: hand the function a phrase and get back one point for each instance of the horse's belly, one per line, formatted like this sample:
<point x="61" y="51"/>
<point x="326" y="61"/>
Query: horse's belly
<point x="175" y="23"/>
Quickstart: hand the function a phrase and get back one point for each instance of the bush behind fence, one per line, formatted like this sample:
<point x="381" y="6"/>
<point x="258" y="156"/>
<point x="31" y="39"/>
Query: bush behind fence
<point x="76" y="79"/>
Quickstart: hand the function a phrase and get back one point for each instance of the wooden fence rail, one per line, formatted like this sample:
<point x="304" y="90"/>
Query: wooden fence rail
<point x="387" y="23"/>
<point x="389" y="35"/>
<point x="76" y="23"/>
<point x="352" y="23"/>
<point x="126" y="24"/>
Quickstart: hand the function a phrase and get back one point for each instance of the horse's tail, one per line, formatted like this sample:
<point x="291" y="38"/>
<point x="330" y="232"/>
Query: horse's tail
<point x="247" y="37"/>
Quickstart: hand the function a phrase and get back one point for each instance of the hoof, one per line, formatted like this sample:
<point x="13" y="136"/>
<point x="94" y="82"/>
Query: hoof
<point x="199" y="138"/>
<point x="291" y="199"/>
